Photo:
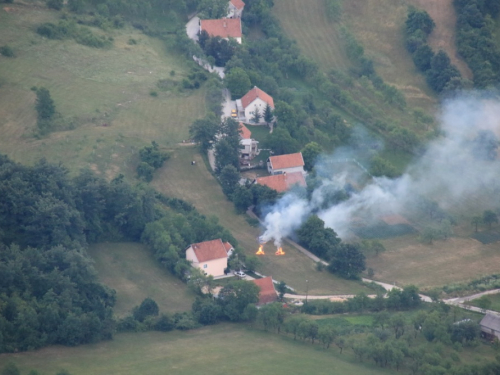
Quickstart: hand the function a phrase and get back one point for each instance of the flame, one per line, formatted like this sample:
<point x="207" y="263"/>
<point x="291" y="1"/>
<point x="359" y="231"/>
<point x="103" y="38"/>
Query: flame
<point x="261" y="250"/>
<point x="279" y="251"/>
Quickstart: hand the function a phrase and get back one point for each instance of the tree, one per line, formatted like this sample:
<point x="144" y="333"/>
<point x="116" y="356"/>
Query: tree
<point x="145" y="171"/>
<point x="381" y="167"/>
<point x="256" y="116"/>
<point x="268" y="114"/>
<point x="153" y="156"/>
<point x="165" y="323"/>
<point x="237" y="82"/>
<point x="310" y="153"/>
<point x="235" y="297"/>
<point x="226" y="155"/>
<point x="419" y="20"/>
<point x="242" y="198"/>
<point x="281" y="289"/>
<point x="148" y="307"/>
<point x="229" y="178"/>
<point x="348" y="261"/>
<point x="281" y="142"/>
<point x="44" y="104"/>
<point x="293" y="323"/>
<point x="204" y="131"/>
<point x="212" y="9"/>
<point x="490" y="217"/>
<point x="252" y="262"/>
<point x="422" y="57"/>
<point x="55" y="4"/>
<point x="326" y="334"/>
<point x="286" y="116"/>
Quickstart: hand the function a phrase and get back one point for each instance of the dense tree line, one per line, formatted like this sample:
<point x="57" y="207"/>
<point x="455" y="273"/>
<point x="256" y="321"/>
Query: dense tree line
<point x="440" y="73"/>
<point x="475" y="39"/>
<point x="49" y="293"/>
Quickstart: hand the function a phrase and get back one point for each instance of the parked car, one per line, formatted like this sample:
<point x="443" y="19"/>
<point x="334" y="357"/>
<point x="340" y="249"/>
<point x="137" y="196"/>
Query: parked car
<point x="240" y="273"/>
<point x="233" y="113"/>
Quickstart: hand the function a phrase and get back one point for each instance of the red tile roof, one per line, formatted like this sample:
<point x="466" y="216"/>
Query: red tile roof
<point x="267" y="292"/>
<point x="238" y="4"/>
<point x="287" y="161"/>
<point x="209" y="250"/>
<point x="225" y="27"/>
<point x="227" y="246"/>
<point x="283" y="182"/>
<point x="255" y="93"/>
<point x="244" y="132"/>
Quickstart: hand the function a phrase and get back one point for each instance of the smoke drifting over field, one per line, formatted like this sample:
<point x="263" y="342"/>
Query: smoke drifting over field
<point x="458" y="165"/>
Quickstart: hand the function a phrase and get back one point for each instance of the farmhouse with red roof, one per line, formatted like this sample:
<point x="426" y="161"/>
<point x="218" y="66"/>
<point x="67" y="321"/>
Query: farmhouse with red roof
<point x="282" y="182"/>
<point x="209" y="256"/>
<point x="235" y="8"/>
<point x="267" y="292"/>
<point x="254" y="100"/>
<point x="288" y="163"/>
<point x="225" y="28"/>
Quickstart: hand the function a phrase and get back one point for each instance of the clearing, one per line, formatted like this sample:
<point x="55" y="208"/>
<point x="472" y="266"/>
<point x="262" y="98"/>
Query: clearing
<point x="130" y="269"/>
<point x="220" y="349"/>
<point x="408" y="261"/>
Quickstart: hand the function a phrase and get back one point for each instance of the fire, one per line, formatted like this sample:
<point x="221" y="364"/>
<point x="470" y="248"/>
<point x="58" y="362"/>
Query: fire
<point x="261" y="250"/>
<point x="279" y="251"/>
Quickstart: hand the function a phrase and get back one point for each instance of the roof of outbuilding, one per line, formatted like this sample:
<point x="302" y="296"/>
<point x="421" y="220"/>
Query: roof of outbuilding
<point x="267" y="292"/>
<point x="287" y="161"/>
<point x="225" y="27"/>
<point x="227" y="246"/>
<point x="282" y="182"/>
<point x="238" y="4"/>
<point x="209" y="250"/>
<point x="245" y="133"/>
<point x="491" y="321"/>
<point x="255" y="93"/>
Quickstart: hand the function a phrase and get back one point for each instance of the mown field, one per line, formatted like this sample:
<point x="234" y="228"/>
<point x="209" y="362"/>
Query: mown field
<point x="407" y="261"/>
<point x="130" y="269"/>
<point x="220" y="349"/>
<point x="103" y="92"/>
<point x="194" y="183"/>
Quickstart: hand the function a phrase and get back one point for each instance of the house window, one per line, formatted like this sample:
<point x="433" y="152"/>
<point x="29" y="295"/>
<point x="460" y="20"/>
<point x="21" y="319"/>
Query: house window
<point x="205" y="266"/>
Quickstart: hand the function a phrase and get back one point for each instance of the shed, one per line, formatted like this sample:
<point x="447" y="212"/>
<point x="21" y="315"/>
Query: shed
<point x="490" y="326"/>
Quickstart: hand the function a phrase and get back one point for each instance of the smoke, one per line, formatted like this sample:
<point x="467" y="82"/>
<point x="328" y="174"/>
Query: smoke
<point x="459" y="165"/>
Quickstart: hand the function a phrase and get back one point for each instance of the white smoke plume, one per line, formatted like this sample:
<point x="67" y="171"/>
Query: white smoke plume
<point x="448" y="172"/>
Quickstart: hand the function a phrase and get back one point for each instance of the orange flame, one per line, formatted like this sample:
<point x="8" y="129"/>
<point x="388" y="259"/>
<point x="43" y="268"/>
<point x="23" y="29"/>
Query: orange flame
<point x="279" y="251"/>
<point x="261" y="250"/>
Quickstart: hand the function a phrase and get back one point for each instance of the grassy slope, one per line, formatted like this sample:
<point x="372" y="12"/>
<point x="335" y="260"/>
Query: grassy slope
<point x="178" y="178"/>
<point x="93" y="87"/>
<point x="221" y="349"/>
<point x="130" y="269"/>
<point x="376" y="24"/>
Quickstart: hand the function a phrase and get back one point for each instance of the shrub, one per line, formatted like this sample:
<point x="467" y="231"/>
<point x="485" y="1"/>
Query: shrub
<point x="6" y="51"/>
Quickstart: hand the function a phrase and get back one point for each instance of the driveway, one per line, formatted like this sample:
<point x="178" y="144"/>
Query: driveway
<point x="192" y="28"/>
<point x="228" y="104"/>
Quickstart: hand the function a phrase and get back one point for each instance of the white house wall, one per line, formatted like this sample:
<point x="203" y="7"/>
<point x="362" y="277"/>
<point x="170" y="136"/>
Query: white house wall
<point x="250" y="109"/>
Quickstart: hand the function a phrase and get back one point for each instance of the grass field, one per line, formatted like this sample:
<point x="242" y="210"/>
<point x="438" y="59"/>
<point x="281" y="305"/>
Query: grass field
<point x="407" y="261"/>
<point x="91" y="88"/>
<point x="130" y="269"/>
<point x="495" y="302"/>
<point x="194" y="183"/>
<point x="220" y="349"/>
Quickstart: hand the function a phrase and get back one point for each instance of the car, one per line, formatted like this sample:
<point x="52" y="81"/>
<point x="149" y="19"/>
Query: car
<point x="233" y="113"/>
<point x="240" y="273"/>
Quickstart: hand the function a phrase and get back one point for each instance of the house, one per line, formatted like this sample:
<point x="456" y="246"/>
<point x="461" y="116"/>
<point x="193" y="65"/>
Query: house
<point x="254" y="100"/>
<point x="267" y="292"/>
<point x="288" y="163"/>
<point x="235" y="8"/>
<point x="282" y="182"/>
<point x="490" y="326"/>
<point x="249" y="146"/>
<point x="210" y="256"/>
<point x="225" y="28"/>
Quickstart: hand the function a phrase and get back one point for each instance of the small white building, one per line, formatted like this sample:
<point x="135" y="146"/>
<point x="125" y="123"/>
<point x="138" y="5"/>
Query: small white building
<point x="210" y="256"/>
<point x="226" y="28"/>
<point x="254" y="100"/>
<point x="249" y="147"/>
<point x="288" y="163"/>
<point x="235" y="8"/>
